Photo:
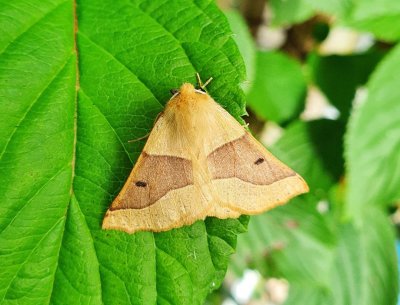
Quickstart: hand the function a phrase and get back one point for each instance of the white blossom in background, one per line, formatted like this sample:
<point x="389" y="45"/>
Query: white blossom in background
<point x="360" y="96"/>
<point x="242" y="289"/>
<point x="277" y="290"/>
<point x="271" y="133"/>
<point x="269" y="38"/>
<point x="344" y="41"/>
<point x="322" y="206"/>
<point x="318" y="107"/>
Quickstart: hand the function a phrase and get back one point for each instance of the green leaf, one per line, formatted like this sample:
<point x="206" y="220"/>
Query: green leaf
<point x="373" y="140"/>
<point x="332" y="7"/>
<point x="288" y="12"/>
<point x="381" y="17"/>
<point x="314" y="150"/>
<point x="245" y="43"/>
<point x="69" y="105"/>
<point x="273" y="235"/>
<point x="365" y="267"/>
<point x="269" y="96"/>
<point x="340" y="76"/>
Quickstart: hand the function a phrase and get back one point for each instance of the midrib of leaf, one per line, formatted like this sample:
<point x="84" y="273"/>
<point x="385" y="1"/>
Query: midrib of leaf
<point x="73" y="157"/>
<point x="77" y="86"/>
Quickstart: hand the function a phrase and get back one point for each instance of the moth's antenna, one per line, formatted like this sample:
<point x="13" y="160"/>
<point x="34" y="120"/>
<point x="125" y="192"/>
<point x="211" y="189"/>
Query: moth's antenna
<point x="207" y="82"/>
<point x="201" y="85"/>
<point x="199" y="80"/>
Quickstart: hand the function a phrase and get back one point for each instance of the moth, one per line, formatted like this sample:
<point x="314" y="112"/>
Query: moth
<point x="199" y="161"/>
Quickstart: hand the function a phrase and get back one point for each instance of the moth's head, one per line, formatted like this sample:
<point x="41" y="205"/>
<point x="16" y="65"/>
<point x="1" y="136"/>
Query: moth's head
<point x="186" y="91"/>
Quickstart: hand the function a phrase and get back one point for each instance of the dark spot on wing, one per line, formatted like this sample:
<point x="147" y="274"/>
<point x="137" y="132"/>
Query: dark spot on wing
<point x="141" y="184"/>
<point x="259" y="161"/>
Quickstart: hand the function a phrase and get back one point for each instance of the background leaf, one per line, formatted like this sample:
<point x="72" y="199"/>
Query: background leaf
<point x="268" y="96"/>
<point x="287" y="12"/>
<point x="65" y="153"/>
<point x="245" y="43"/>
<point x="313" y="149"/>
<point x="373" y="140"/>
<point x="381" y="17"/>
<point x="340" y="76"/>
<point x="297" y="11"/>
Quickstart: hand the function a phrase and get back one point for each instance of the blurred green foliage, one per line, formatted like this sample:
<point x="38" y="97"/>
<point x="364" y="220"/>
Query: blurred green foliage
<point x="269" y="96"/>
<point x="335" y="245"/>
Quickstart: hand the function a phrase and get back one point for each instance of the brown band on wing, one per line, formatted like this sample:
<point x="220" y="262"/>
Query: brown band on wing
<point x="152" y="178"/>
<point x="246" y="161"/>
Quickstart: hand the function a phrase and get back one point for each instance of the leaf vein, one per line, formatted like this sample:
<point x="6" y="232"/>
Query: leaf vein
<point x="109" y="124"/>
<point x="31" y="26"/>
<point x="27" y="258"/>
<point x="120" y="62"/>
<point x="31" y="106"/>
<point x="33" y="196"/>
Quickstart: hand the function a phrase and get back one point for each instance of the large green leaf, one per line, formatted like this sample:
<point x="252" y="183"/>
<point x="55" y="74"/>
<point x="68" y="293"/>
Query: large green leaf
<point x="68" y="109"/>
<point x="373" y="140"/>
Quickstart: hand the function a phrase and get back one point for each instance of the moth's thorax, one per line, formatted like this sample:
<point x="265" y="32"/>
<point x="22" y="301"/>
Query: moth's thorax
<point x="190" y="109"/>
<point x="191" y="117"/>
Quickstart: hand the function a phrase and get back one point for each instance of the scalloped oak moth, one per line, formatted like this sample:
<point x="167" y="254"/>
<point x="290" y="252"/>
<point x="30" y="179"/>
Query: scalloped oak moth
<point x="199" y="161"/>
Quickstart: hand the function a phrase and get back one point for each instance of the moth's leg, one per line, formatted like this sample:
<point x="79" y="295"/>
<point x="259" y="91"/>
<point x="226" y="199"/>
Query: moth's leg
<point x="141" y="138"/>
<point x="147" y="134"/>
